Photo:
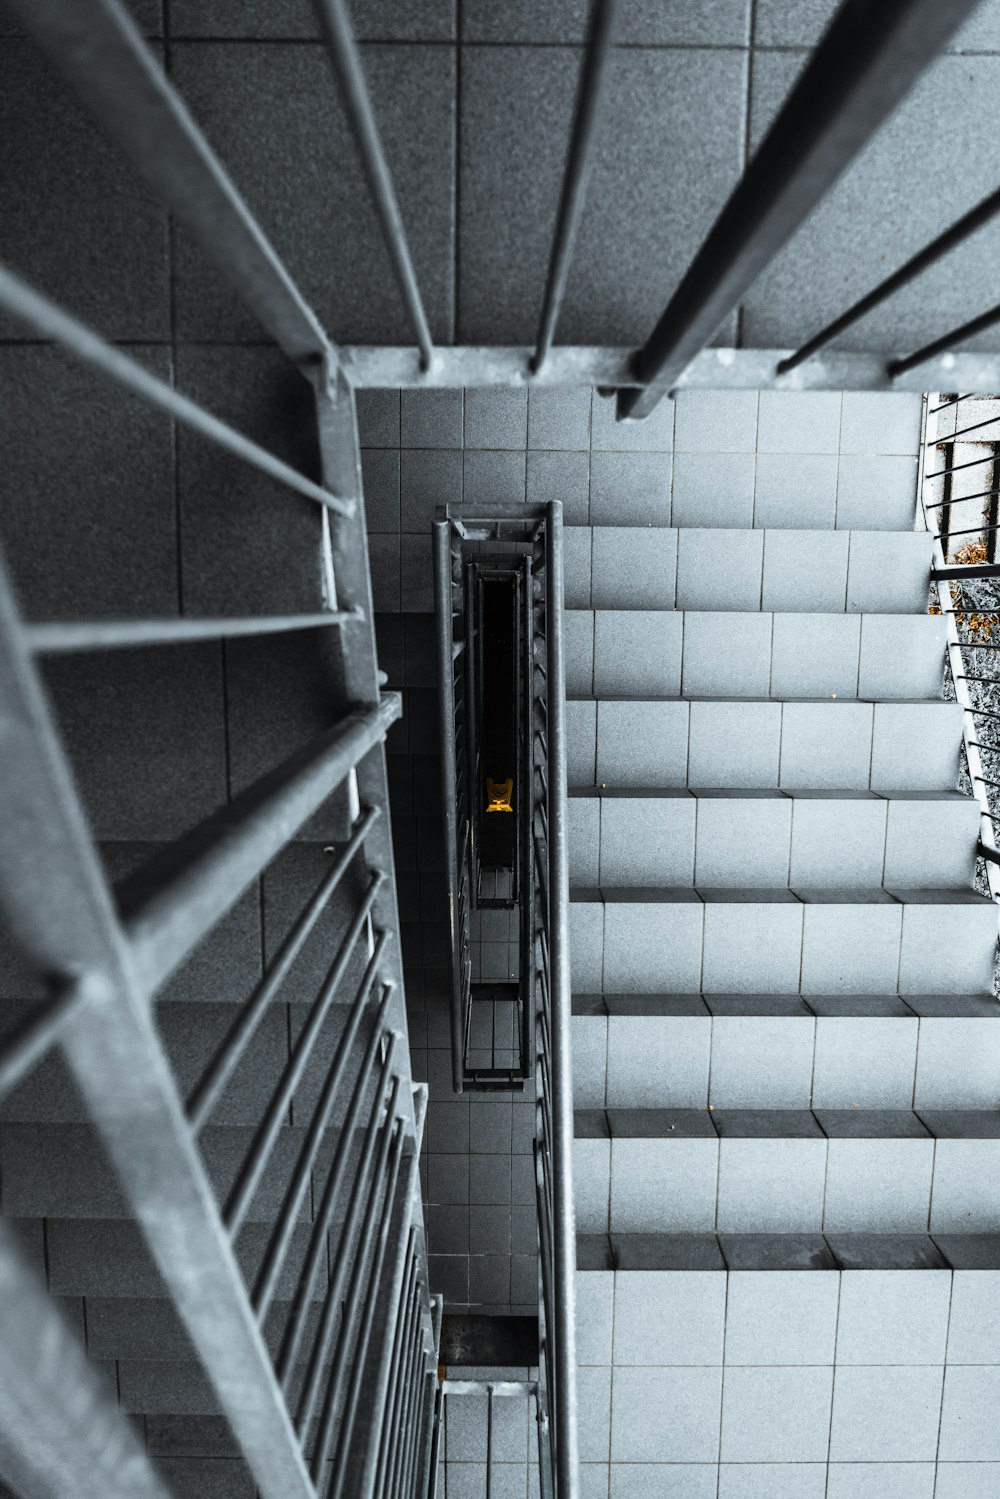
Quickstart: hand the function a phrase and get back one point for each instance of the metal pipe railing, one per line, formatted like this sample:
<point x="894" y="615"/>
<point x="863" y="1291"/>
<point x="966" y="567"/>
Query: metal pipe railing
<point x="336" y="27"/>
<point x="178" y="897"/>
<point x="865" y="64"/>
<point x="44" y="317"/>
<point x="593" y="78"/>
<point x="942" y="577"/>
<point x="62" y="638"/>
<point x="99" y="49"/>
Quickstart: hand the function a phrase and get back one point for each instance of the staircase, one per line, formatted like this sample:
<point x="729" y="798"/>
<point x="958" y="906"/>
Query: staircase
<point x="786" y="1043"/>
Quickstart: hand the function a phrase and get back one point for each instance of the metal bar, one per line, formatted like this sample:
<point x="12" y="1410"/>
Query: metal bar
<point x="406" y="1315"/>
<point x="953" y="499"/>
<point x="409" y="1361"/>
<point x="956" y="571"/>
<point x="862" y="68"/>
<point x="58" y="638"/>
<point x="382" y="367"/>
<point x="956" y="663"/>
<point x="270" y="1269"/>
<point x="359" y="1439"/>
<point x="593" y="76"/>
<point x="449" y="767"/>
<point x="933" y="411"/>
<point x="57" y="903"/>
<point x="380" y="1131"/>
<point x="971" y="531"/>
<point x="26" y="1044"/>
<point x="412" y="1390"/>
<point x="564" y="1229"/>
<point x="217" y="1075"/>
<point x="952" y="236"/>
<point x="98" y="47"/>
<point x="953" y="437"/>
<point x="943" y="345"/>
<point x="62" y="1435"/>
<point x="434" y="1460"/>
<point x="266" y="1134"/>
<point x="176" y="899"/>
<point x="296" y="1325"/>
<point x="940" y="473"/>
<point x="52" y="322"/>
<point x="335" y="24"/>
<point x="360" y="1296"/>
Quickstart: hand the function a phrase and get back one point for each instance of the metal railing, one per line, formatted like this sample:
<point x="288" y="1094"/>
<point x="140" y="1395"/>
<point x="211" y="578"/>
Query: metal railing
<point x="59" y="1431"/>
<point x="463" y="541"/>
<point x="345" y="1405"/>
<point x="965" y="591"/>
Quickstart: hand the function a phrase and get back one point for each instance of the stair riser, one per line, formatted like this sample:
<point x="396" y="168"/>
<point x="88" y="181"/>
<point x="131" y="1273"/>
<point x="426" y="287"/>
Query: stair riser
<point x="780" y="1185"/>
<point x="853" y="746"/>
<point x="771" y="842"/>
<point x="778" y="1062"/>
<point x="758" y="655"/>
<point x="682" y="947"/>
<point x="784" y="570"/>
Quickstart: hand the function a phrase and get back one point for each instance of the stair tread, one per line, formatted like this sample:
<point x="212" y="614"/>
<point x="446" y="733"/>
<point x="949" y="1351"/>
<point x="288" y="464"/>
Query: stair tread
<point x="806" y="1006"/>
<point x="665" y="1124"/>
<point x="780" y="895"/>
<point x="812" y="1251"/>
<point x="765" y="793"/>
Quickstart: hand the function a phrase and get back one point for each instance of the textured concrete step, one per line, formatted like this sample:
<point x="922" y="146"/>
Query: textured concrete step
<point x="108" y="1258"/>
<point x="60" y="1170"/>
<point x="774" y="1382"/>
<point x="823" y="1252"/>
<point x="672" y="836"/>
<point x="719" y="654"/>
<point x="823" y="1051"/>
<point x="727" y="743"/>
<point x="787" y="1171"/>
<point x="756" y="941"/>
<point x="659" y="567"/>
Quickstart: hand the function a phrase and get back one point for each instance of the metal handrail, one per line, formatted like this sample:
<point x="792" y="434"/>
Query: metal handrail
<point x="547" y="998"/>
<point x="105" y="954"/>
<point x="943" y="575"/>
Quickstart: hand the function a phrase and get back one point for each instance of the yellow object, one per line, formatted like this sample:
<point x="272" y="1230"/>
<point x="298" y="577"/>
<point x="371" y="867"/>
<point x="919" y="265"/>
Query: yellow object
<point x="499" y="793"/>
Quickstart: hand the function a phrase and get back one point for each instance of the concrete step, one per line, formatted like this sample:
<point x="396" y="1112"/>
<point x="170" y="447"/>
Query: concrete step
<point x="765" y="1380"/>
<point x="819" y="1252"/>
<point x="651" y="742"/>
<point x="785" y="1052"/>
<point x="672" y="836"/>
<point x="741" y="654"/>
<point x="787" y="1171"/>
<point x="192" y="1034"/>
<point x="661" y="567"/>
<point x="691" y="939"/>
<point x="60" y="1170"/>
<point x="108" y="1257"/>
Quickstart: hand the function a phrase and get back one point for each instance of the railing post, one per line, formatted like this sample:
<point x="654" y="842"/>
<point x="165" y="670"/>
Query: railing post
<point x="564" y="1225"/>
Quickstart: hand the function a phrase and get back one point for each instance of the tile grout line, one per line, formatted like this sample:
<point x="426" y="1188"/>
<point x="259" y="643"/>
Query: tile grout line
<point x="833" y="1381"/>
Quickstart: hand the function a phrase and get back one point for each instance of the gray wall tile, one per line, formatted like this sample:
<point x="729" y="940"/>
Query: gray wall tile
<point x="776" y="1415"/>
